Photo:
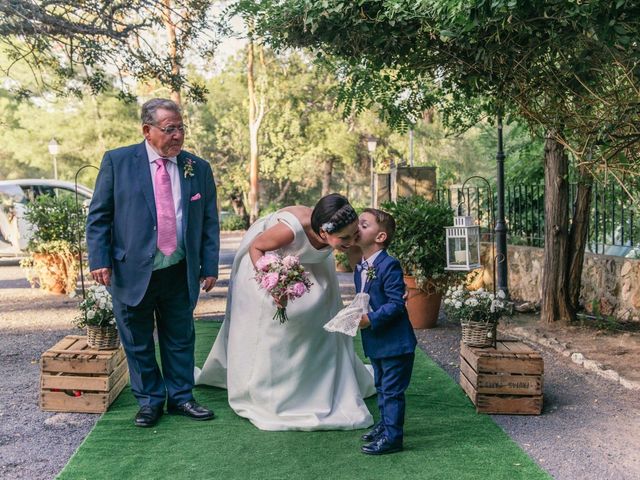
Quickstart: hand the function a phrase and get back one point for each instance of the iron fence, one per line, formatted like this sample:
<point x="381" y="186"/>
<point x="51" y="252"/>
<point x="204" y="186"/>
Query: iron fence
<point x="614" y="223"/>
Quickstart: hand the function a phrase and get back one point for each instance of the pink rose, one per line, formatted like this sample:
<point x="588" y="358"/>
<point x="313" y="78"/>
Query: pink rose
<point x="298" y="289"/>
<point x="269" y="281"/>
<point x="290" y="261"/>
<point x="265" y="262"/>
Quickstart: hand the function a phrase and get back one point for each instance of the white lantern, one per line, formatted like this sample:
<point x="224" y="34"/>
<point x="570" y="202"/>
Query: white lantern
<point x="463" y="245"/>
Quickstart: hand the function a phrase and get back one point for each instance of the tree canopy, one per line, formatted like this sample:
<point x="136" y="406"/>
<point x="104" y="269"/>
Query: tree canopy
<point x="570" y="67"/>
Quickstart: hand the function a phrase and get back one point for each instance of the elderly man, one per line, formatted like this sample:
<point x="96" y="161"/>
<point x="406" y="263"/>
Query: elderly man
<point x="153" y="238"/>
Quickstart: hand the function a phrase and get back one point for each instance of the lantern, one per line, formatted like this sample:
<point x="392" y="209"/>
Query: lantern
<point x="463" y="244"/>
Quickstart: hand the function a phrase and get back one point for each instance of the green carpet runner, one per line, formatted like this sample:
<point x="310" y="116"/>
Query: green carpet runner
<point x="444" y="439"/>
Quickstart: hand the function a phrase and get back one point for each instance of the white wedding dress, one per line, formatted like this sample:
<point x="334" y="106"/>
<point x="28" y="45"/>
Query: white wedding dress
<point x="291" y="376"/>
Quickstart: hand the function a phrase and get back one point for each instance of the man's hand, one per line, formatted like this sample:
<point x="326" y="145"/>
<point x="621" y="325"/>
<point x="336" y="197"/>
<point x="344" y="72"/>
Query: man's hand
<point x="102" y="276"/>
<point x="208" y="283"/>
<point x="364" y="321"/>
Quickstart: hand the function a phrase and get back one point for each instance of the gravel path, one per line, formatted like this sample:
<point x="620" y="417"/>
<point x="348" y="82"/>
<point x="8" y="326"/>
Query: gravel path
<point x="590" y="428"/>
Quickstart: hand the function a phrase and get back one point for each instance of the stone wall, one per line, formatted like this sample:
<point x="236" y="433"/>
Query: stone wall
<point x="610" y="284"/>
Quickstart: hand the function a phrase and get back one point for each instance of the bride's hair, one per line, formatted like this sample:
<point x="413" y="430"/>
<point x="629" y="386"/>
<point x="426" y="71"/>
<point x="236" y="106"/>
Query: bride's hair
<point x="332" y="213"/>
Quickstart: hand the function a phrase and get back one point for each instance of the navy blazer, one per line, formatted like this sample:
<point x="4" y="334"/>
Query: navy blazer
<point x="122" y="225"/>
<point x="390" y="333"/>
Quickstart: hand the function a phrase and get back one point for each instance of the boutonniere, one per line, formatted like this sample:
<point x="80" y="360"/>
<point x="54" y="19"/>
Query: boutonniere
<point x="188" y="168"/>
<point x="371" y="274"/>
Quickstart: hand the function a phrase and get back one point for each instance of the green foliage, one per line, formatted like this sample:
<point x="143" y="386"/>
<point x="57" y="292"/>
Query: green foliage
<point x="419" y="241"/>
<point x="342" y="259"/>
<point x="569" y="68"/>
<point x="85" y="129"/>
<point x="69" y="46"/>
<point x="55" y="219"/>
<point x="233" y="222"/>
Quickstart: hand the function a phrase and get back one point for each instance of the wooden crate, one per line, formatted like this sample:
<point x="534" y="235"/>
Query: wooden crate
<point x="75" y="378"/>
<point x="507" y="379"/>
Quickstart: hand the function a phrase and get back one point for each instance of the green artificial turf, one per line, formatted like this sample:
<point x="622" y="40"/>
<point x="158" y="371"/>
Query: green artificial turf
<point x="444" y="439"/>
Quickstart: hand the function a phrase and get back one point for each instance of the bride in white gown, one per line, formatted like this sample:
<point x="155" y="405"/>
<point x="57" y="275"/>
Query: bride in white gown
<point x="291" y="376"/>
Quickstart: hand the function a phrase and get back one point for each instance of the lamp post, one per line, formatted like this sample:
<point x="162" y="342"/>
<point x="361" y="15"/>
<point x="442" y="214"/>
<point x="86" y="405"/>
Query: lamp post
<point x="501" y="224"/>
<point x="54" y="148"/>
<point x="372" y="143"/>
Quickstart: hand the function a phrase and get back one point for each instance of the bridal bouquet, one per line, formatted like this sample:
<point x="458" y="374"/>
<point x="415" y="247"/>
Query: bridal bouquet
<point x="284" y="278"/>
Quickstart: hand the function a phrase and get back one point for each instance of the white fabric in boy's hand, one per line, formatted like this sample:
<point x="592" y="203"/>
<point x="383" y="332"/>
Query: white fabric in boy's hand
<point x="347" y="320"/>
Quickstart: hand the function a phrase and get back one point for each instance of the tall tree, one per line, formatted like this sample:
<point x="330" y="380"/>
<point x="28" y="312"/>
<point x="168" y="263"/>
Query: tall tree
<point x="76" y="40"/>
<point x="257" y="111"/>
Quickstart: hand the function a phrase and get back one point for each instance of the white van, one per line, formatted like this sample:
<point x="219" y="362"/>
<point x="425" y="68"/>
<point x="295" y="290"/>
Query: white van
<point x="15" y="230"/>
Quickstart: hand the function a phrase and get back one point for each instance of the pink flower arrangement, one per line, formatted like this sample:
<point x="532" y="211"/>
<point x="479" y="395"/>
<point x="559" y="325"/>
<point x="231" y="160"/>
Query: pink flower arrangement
<point x="284" y="278"/>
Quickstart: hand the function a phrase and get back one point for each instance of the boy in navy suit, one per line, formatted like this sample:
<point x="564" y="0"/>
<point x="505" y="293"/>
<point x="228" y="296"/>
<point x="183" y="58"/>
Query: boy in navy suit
<point x="387" y="335"/>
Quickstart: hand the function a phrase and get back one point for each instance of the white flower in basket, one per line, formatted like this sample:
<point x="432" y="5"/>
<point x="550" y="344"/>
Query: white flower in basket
<point x="96" y="314"/>
<point x="478" y="311"/>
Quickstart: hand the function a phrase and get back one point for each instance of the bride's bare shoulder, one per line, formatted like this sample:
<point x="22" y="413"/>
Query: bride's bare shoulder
<point x="302" y="213"/>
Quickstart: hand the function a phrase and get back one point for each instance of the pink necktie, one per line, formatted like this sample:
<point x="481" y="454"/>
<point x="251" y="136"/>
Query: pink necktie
<point x="167" y="233"/>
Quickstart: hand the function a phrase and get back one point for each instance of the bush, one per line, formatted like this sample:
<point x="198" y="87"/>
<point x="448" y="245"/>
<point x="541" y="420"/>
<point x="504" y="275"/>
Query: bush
<point x="419" y="242"/>
<point x="55" y="219"/>
<point x="53" y="249"/>
<point x="233" y="222"/>
<point x="342" y="259"/>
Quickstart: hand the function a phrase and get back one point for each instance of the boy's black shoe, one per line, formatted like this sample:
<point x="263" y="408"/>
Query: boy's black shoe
<point x="382" y="446"/>
<point x="373" y="434"/>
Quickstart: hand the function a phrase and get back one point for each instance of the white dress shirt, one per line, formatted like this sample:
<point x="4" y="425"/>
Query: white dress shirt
<point x="363" y="272"/>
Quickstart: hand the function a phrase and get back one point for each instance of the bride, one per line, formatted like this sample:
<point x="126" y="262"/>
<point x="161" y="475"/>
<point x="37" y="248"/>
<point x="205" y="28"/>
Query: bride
<point x="291" y="376"/>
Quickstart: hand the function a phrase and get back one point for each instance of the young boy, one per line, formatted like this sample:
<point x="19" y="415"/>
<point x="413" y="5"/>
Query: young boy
<point x="387" y="335"/>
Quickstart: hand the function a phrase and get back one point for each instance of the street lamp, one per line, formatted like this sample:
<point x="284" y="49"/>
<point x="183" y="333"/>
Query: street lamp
<point x="54" y="148"/>
<point x="372" y="143"/>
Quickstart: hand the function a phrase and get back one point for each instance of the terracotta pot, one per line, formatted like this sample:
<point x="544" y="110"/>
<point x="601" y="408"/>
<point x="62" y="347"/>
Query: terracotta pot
<point x="342" y="268"/>
<point x="55" y="280"/>
<point x="423" y="308"/>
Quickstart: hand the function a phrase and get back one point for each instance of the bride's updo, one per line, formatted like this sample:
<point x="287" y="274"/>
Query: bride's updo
<point x="332" y="213"/>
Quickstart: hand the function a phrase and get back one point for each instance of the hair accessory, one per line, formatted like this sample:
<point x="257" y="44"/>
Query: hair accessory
<point x="328" y="227"/>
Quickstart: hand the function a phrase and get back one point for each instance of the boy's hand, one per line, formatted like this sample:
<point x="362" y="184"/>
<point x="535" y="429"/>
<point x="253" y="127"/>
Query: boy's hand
<point x="364" y="321"/>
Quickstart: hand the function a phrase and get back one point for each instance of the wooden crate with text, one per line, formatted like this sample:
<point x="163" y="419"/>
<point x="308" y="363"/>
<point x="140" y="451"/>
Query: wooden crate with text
<point x="507" y="379"/>
<point x="75" y="378"/>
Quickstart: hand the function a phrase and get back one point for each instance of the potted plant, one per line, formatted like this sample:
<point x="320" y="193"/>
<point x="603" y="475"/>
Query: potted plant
<point x="478" y="311"/>
<point x="419" y="245"/>
<point x="52" y="263"/>
<point x="342" y="262"/>
<point x="96" y="315"/>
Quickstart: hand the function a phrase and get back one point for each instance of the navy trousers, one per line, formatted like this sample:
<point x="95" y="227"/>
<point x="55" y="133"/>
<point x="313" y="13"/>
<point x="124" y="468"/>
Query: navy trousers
<point x="165" y="303"/>
<point x="392" y="376"/>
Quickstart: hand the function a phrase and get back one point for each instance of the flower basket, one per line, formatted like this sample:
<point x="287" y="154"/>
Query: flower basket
<point x="102" y="338"/>
<point x="479" y="334"/>
<point x="96" y="314"/>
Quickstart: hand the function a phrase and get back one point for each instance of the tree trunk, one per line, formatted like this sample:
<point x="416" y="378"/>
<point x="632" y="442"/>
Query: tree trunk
<point x="237" y="203"/>
<point x="256" y="114"/>
<point x="283" y="193"/>
<point x="172" y="50"/>
<point x="578" y="235"/>
<point x="555" y="295"/>
<point x="327" y="172"/>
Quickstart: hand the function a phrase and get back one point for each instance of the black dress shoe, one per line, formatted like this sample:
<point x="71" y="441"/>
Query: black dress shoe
<point x="148" y="416"/>
<point x="382" y="446"/>
<point x="191" y="409"/>
<point x="373" y="434"/>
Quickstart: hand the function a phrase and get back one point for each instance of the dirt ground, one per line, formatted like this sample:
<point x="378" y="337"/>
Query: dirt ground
<point x="589" y="429"/>
<point x="613" y="350"/>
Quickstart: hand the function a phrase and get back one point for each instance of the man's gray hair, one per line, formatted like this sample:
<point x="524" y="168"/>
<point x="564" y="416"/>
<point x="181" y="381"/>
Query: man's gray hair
<point x="148" y="113"/>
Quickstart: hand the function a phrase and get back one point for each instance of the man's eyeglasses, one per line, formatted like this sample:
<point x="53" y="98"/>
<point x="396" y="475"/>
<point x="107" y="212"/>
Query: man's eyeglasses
<point x="171" y="129"/>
